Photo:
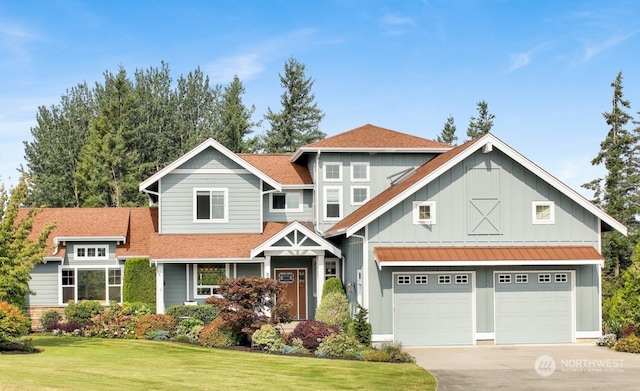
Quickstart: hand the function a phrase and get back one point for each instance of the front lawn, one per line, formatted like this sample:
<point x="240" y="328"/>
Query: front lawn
<point x="71" y="363"/>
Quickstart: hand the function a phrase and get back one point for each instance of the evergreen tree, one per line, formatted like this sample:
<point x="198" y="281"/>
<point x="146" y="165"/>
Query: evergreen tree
<point x="482" y="124"/>
<point x="298" y="122"/>
<point x="235" y="118"/>
<point x="617" y="192"/>
<point x="448" y="134"/>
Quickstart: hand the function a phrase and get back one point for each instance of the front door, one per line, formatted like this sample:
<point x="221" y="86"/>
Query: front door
<point x="295" y="282"/>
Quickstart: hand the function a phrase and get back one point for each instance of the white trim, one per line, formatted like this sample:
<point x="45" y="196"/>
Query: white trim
<point x="486" y="336"/>
<point x="160" y="288"/>
<point x="160" y="261"/>
<point x="86" y="248"/>
<point x="195" y="151"/>
<point x="588" y="334"/>
<point x="101" y="267"/>
<point x="367" y="172"/>
<point x="195" y="279"/>
<point x="63" y="239"/>
<point x="517" y="262"/>
<point x="286" y="194"/>
<point x="211" y="171"/>
<point x="552" y="212"/>
<point x="324" y="172"/>
<point x="353" y="202"/>
<point x="224" y="191"/>
<point x="513" y="154"/>
<point x="381" y="338"/>
<point x="416" y="212"/>
<point x="303" y="150"/>
<point x="324" y="245"/>
<point x="340" y="203"/>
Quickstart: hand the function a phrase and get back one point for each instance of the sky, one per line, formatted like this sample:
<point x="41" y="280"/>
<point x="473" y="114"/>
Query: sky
<point x="544" y="67"/>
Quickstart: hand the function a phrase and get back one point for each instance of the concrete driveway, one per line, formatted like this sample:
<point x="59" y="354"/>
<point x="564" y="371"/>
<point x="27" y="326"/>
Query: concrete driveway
<point x="527" y="367"/>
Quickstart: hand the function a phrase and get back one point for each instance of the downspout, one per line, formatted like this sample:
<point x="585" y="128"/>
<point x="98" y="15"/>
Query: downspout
<point x="316" y="178"/>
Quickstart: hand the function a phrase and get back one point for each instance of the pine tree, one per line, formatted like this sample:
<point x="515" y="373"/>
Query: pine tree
<point x="482" y="124"/>
<point x="298" y="122"/>
<point x="617" y="192"/>
<point x="448" y="134"/>
<point x="235" y="118"/>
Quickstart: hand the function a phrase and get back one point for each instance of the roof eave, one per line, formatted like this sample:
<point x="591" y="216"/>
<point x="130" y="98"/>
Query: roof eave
<point x="515" y="262"/>
<point x="62" y="239"/>
<point x="303" y="150"/>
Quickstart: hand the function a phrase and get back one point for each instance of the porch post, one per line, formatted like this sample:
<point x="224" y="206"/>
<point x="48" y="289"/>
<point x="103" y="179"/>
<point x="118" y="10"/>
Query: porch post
<point x="319" y="277"/>
<point x="159" y="288"/>
<point x="267" y="266"/>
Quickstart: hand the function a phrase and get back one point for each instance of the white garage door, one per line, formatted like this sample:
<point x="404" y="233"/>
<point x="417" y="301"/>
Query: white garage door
<point x="533" y="307"/>
<point x="433" y="309"/>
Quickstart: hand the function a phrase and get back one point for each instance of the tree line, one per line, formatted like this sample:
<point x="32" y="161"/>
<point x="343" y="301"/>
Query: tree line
<point x="96" y="145"/>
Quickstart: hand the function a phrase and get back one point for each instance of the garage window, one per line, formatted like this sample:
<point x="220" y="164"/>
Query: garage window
<point x="504" y="278"/>
<point x="421" y="279"/>
<point x="561" y="277"/>
<point x="444" y="279"/>
<point x="404" y="280"/>
<point x="462" y="279"/>
<point x="522" y="278"/>
<point x="544" y="278"/>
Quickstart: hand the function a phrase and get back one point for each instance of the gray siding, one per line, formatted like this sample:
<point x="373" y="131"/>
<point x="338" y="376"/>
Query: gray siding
<point x="70" y="259"/>
<point x="44" y="282"/>
<point x="353" y="256"/>
<point x="305" y="216"/>
<point x="248" y="270"/>
<point x="175" y="285"/>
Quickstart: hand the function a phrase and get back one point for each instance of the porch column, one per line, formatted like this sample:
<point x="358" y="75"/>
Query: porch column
<point x="159" y="288"/>
<point x="267" y="266"/>
<point x="319" y="277"/>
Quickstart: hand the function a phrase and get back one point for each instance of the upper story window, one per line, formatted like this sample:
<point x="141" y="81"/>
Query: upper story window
<point x="211" y="205"/>
<point x="543" y="212"/>
<point x="333" y="172"/>
<point x="359" y="195"/>
<point x="290" y="201"/>
<point x="333" y="203"/>
<point x="359" y="172"/>
<point x="424" y="212"/>
<point x="91" y="252"/>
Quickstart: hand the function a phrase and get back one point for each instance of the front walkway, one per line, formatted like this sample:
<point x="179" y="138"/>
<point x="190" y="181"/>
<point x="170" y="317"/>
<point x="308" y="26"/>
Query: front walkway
<point x="530" y="367"/>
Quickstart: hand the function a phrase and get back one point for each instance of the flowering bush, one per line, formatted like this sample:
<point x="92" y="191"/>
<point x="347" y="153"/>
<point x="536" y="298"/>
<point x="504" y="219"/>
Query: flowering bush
<point x="311" y="332"/>
<point x="148" y="323"/>
<point x="65" y="327"/>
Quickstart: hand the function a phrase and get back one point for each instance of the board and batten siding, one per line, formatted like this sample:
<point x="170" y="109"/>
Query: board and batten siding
<point x="175" y="285"/>
<point x="44" y="281"/>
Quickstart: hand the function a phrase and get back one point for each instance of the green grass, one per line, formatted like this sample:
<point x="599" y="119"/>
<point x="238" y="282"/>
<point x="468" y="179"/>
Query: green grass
<point x="69" y="363"/>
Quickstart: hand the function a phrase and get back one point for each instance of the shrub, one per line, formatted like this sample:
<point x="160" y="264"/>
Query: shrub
<point x="205" y="313"/>
<point x="397" y="355"/>
<point x="139" y="282"/>
<point x="296" y="347"/>
<point x="116" y="322"/>
<point x="332" y="285"/>
<point x="217" y="334"/>
<point x="375" y="355"/>
<point x="135" y="309"/>
<point x="13" y="322"/>
<point x="628" y="330"/>
<point x="311" y="332"/>
<point x="188" y="330"/>
<point x="267" y="338"/>
<point x="148" y="323"/>
<point x="66" y="327"/>
<point x="339" y="345"/>
<point x="334" y="310"/>
<point x="359" y="328"/>
<point x="631" y="344"/>
<point x="158" y="335"/>
<point x="82" y="312"/>
<point x="50" y="317"/>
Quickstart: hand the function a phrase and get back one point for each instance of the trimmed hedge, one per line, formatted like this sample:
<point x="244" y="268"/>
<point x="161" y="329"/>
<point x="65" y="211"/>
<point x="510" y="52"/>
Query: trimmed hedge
<point x="206" y="313"/>
<point x="333" y="284"/>
<point x="139" y="282"/>
<point x="334" y="310"/>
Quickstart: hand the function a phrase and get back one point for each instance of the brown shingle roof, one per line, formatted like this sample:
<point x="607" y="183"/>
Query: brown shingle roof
<point x="371" y="136"/>
<point x="457" y="254"/>
<point x="143" y="224"/>
<point x="280" y="168"/>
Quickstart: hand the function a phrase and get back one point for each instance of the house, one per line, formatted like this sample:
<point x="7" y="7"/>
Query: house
<point x="443" y="245"/>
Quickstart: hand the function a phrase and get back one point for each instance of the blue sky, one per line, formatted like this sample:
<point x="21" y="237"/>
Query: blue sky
<point x="544" y="67"/>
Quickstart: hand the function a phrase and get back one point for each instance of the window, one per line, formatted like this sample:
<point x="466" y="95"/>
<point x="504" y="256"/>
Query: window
<point x="543" y="212"/>
<point x="462" y="279"/>
<point x="90" y="252"/>
<point x="290" y="201"/>
<point x="211" y="205"/>
<point x="333" y="172"/>
<point x="561" y="277"/>
<point x="444" y="279"/>
<point x="208" y="278"/>
<point x="101" y="284"/>
<point x="504" y="278"/>
<point x="359" y="195"/>
<point x="424" y="212"/>
<point x="544" y="278"/>
<point x="330" y="268"/>
<point x="421" y="279"/>
<point x="359" y="172"/>
<point x="522" y="278"/>
<point x="404" y="280"/>
<point x="332" y="203"/>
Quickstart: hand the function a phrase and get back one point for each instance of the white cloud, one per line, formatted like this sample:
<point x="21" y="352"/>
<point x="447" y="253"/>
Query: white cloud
<point x="519" y="60"/>
<point x="396" y="20"/>
<point x="13" y="42"/>
<point x="592" y="50"/>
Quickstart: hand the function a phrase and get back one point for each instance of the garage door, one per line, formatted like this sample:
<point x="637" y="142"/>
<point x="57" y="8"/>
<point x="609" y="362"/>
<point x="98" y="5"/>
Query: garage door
<point x="533" y="307"/>
<point x="433" y="309"/>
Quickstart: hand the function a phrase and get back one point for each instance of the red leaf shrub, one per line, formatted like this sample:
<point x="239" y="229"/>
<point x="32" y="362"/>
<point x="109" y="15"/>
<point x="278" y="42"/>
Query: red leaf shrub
<point x="216" y="334"/>
<point x="311" y="332"/>
<point x="148" y="323"/>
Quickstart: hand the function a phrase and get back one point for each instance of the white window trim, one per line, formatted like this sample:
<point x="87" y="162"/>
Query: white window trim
<point x="286" y="194"/>
<point x="324" y="172"/>
<point x="353" y="202"/>
<point x="225" y="191"/>
<point x="552" y="212"/>
<point x="416" y="212"/>
<point x="75" y="269"/>
<point x="88" y="246"/>
<point x="195" y="281"/>
<point x="366" y="179"/>
<point x="340" y="203"/>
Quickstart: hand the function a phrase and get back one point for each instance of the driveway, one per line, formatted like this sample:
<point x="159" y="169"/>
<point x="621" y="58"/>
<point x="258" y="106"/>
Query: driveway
<point x="528" y="367"/>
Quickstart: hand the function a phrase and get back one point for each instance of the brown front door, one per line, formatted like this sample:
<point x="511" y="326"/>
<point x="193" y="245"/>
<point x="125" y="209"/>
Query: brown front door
<point x="295" y="282"/>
